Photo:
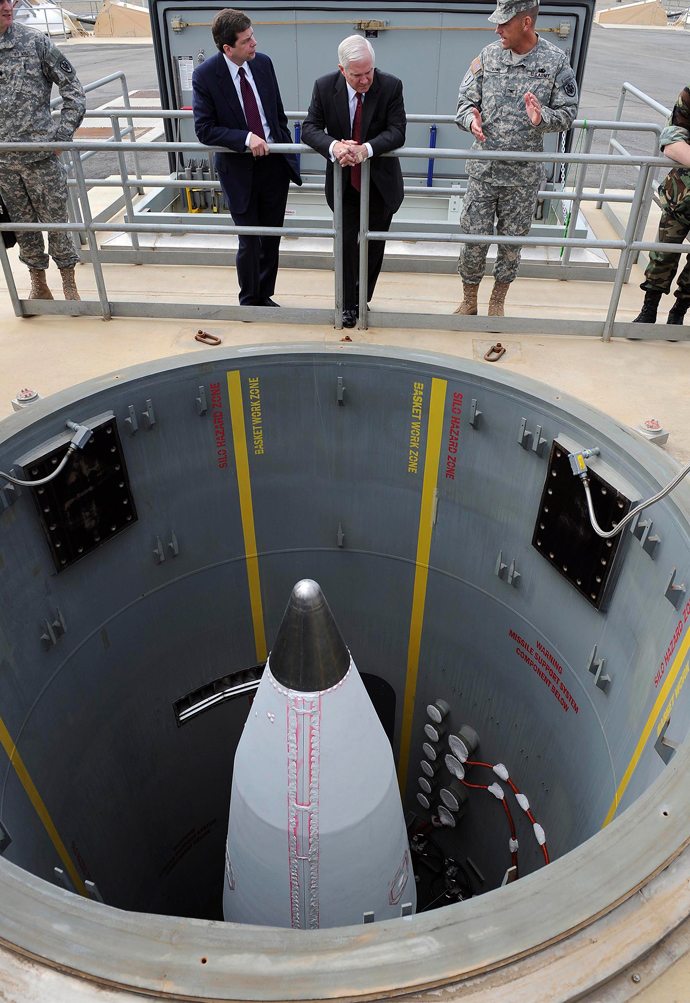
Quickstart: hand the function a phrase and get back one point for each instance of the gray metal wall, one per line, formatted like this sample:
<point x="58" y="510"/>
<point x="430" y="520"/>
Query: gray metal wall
<point x="428" y="45"/>
<point x="141" y="804"/>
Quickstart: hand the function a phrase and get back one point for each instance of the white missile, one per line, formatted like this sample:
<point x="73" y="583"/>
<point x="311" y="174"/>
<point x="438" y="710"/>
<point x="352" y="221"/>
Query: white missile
<point x="316" y="834"/>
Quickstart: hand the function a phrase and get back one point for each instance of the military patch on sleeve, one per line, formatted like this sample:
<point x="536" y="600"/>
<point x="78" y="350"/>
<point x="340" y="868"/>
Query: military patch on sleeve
<point x="467" y="78"/>
<point x="476" y="65"/>
<point x="66" y="66"/>
<point x="570" y="89"/>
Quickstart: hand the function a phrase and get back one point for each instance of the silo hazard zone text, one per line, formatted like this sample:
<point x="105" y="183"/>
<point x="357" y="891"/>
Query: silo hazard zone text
<point x="218" y="425"/>
<point x="547" y="667"/>
<point x="453" y="435"/>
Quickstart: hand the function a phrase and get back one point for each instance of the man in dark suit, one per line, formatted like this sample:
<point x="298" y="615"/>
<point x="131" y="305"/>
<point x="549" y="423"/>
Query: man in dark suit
<point x="355" y="113"/>
<point x="237" y="104"/>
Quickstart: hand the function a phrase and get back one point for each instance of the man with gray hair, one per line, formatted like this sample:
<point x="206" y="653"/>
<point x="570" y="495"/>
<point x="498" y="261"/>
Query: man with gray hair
<point x="516" y="89"/>
<point x="355" y="113"/>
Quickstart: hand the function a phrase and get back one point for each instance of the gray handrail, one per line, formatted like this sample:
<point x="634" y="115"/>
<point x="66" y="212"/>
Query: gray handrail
<point x="421" y="152"/>
<point x="620" y="126"/>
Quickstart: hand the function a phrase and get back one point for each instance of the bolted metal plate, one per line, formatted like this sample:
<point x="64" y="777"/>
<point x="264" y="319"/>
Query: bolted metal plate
<point x="91" y="501"/>
<point x="563" y="533"/>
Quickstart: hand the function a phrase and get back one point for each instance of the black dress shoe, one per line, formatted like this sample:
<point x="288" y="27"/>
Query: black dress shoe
<point x="269" y="302"/>
<point x="349" y="318"/>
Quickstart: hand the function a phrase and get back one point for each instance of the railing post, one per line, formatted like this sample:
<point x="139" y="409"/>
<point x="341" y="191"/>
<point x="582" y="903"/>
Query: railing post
<point x="338" y="244"/>
<point x="9" y="279"/>
<point x="124" y="177"/>
<point x="133" y="138"/>
<point x="579" y="186"/>
<point x="614" y="134"/>
<point x="630" y="231"/>
<point x="364" y="244"/>
<point x="93" y="241"/>
<point x="73" y="214"/>
<point x="644" y="210"/>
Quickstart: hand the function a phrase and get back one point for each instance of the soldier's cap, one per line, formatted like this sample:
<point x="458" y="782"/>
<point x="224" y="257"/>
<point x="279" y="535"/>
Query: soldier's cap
<point x="507" y="9"/>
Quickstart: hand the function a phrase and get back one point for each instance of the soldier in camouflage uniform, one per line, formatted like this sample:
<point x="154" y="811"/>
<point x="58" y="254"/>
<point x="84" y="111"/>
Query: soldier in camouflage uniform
<point x="674" y="195"/>
<point x="514" y="91"/>
<point x="33" y="185"/>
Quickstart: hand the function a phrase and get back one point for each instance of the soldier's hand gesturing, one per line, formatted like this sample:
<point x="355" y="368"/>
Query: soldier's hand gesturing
<point x="533" y="108"/>
<point x="476" y="126"/>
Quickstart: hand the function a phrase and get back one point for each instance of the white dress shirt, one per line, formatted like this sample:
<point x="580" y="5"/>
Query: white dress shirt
<point x="352" y="103"/>
<point x="235" y="74"/>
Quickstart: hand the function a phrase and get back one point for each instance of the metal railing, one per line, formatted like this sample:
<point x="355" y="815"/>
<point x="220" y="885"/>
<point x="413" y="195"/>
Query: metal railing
<point x="113" y="115"/>
<point x="91" y="227"/>
<point x="615" y="146"/>
<point x="577" y="196"/>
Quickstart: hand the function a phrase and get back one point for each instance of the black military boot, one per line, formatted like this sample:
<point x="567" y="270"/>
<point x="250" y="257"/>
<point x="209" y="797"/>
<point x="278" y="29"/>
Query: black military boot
<point x="647" y="314"/>
<point x="678" y="311"/>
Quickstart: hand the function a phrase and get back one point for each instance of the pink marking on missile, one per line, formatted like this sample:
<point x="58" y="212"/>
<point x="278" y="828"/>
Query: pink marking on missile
<point x="303" y="767"/>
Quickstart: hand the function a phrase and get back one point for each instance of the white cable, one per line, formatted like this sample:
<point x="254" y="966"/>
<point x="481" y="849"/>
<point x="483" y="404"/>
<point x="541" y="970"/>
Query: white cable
<point x="501" y="771"/>
<point x="631" y="515"/>
<point x="522" y="801"/>
<point x="497" y="791"/>
<point x="44" y="480"/>
<point x="512" y="845"/>
<point x="539" y="833"/>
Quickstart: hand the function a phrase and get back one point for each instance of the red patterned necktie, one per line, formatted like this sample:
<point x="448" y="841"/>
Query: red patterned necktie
<point x="356" y="169"/>
<point x="251" y="108"/>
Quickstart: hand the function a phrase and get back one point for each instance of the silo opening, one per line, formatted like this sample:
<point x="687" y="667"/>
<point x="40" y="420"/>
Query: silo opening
<point x="529" y="678"/>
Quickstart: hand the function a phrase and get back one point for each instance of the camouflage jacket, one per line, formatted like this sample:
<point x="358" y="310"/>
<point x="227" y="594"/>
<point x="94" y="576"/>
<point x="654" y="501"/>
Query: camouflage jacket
<point x="674" y="192"/>
<point x="29" y="66"/>
<point x="496" y="84"/>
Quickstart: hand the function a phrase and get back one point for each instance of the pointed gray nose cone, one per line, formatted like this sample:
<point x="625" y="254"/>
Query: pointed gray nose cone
<point x="309" y="653"/>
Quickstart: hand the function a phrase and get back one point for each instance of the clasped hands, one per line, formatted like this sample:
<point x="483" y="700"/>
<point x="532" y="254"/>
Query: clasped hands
<point x="348" y="153"/>
<point x="532" y="107"/>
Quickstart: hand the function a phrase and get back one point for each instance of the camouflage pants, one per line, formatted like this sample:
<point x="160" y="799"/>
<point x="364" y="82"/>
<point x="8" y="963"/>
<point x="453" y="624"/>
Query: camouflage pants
<point x="37" y="193"/>
<point x="513" y="206"/>
<point x="662" y="267"/>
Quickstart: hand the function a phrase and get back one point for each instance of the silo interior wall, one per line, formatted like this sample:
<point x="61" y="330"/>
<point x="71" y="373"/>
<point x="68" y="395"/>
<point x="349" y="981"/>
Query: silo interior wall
<point x="140" y="803"/>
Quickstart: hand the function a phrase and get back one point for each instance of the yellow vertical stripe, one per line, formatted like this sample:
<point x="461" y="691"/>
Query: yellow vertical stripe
<point x="41" y="810"/>
<point x="247" y="510"/>
<point x="657" y="710"/>
<point x="431" y="461"/>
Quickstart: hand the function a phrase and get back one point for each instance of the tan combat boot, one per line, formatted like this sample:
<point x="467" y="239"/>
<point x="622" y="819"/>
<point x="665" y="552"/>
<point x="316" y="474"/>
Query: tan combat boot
<point x="498" y="298"/>
<point x="469" y="303"/>
<point x="39" y="286"/>
<point x="69" y="284"/>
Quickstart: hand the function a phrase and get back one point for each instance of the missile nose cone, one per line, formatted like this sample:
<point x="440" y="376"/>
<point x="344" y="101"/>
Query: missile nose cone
<point x="309" y="653"/>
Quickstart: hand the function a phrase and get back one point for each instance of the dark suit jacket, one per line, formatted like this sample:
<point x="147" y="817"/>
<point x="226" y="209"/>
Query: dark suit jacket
<point x="383" y="125"/>
<point x="219" y="121"/>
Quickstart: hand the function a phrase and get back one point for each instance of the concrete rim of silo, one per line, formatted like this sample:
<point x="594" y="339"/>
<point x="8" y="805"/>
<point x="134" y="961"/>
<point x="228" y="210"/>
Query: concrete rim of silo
<point x="585" y="920"/>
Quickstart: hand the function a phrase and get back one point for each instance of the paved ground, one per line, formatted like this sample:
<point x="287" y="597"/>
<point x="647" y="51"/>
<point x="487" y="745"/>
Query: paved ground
<point x="654" y="60"/>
